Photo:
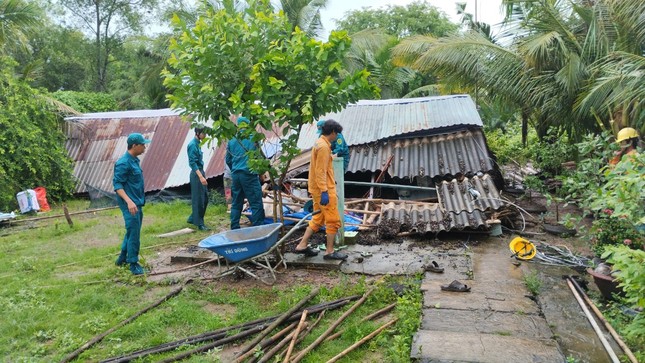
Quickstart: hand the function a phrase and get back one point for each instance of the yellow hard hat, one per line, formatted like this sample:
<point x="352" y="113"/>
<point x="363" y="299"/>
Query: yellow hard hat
<point x="522" y="248"/>
<point x="626" y="134"/>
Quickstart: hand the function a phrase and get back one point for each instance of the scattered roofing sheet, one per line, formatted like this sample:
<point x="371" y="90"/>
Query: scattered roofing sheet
<point x="369" y="121"/>
<point x="458" y="207"/>
<point x="428" y="217"/>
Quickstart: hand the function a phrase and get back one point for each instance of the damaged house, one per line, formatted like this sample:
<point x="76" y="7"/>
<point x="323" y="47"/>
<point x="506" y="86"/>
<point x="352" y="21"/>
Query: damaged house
<point x="431" y="142"/>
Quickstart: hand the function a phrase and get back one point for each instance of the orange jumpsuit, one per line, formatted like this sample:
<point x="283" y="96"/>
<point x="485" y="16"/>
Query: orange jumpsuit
<point x="321" y="179"/>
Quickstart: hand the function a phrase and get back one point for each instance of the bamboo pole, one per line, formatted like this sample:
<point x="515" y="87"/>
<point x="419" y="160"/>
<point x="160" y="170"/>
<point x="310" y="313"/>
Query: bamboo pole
<point x="244" y="353"/>
<point x="362" y="341"/>
<point x="369" y="317"/>
<point x="611" y="330"/>
<point x="277" y="347"/>
<point x="100" y="337"/>
<point x="221" y="333"/>
<point x="362" y="211"/>
<point x="61" y="215"/>
<point x="214" y="344"/>
<point x="185" y="268"/>
<point x="295" y="336"/>
<point x="595" y="326"/>
<point x="324" y="335"/>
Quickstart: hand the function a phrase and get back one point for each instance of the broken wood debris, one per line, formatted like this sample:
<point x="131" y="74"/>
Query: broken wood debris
<point x="220" y="337"/>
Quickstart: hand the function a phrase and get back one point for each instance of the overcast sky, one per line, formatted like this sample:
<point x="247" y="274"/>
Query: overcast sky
<point x="488" y="11"/>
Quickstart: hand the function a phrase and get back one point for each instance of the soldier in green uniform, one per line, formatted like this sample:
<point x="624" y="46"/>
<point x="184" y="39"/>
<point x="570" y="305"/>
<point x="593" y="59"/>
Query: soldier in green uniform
<point x="198" y="183"/>
<point x="128" y="185"/>
<point x="246" y="184"/>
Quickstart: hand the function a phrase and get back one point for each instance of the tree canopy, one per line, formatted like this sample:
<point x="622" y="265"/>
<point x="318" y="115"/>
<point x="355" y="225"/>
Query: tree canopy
<point x="567" y="66"/>
<point x="417" y="18"/>
<point x="33" y="146"/>
<point x="258" y="67"/>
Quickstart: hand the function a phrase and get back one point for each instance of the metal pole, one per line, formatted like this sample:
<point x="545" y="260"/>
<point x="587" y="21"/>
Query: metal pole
<point x="368" y="184"/>
<point x="339" y="176"/>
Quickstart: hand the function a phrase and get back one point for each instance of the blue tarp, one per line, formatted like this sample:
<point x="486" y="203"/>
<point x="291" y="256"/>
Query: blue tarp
<point x="300" y="215"/>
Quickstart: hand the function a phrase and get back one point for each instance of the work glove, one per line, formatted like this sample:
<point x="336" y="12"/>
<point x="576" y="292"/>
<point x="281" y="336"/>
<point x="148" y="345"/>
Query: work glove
<point x="324" y="198"/>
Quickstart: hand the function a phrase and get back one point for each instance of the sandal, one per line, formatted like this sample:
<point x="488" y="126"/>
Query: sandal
<point x="456" y="286"/>
<point x="308" y="252"/>
<point x="335" y="256"/>
<point x="433" y="267"/>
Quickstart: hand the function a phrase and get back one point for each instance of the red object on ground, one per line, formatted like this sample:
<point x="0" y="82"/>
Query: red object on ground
<point x="41" y="197"/>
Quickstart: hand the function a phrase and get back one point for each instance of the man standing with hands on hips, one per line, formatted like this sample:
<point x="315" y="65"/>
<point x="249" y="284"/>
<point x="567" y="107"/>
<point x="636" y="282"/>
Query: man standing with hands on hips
<point x="128" y="185"/>
<point x="322" y="186"/>
<point x="198" y="183"/>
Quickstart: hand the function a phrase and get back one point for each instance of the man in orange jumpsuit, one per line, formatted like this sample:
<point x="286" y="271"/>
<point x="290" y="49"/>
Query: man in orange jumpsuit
<point x="322" y="187"/>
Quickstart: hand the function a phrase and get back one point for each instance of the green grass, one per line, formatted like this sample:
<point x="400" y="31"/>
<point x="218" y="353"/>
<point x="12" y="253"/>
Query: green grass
<point x="533" y="282"/>
<point x="59" y="288"/>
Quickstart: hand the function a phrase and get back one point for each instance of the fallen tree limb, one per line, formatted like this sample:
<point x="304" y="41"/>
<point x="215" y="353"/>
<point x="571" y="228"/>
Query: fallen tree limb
<point x="362" y="341"/>
<point x="243" y="354"/>
<point x="324" y="335"/>
<point x="100" y="337"/>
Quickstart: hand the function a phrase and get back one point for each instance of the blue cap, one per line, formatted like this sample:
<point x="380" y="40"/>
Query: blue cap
<point x="242" y="121"/>
<point x="320" y="124"/>
<point x="137" y="138"/>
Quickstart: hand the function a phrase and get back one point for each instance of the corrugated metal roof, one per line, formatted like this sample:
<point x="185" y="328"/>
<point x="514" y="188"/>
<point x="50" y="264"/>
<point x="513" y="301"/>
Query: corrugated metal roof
<point x="428" y="217"/>
<point x="457" y="208"/>
<point x="459" y="153"/>
<point x="96" y="143"/>
<point x="454" y="195"/>
<point x="369" y="121"/>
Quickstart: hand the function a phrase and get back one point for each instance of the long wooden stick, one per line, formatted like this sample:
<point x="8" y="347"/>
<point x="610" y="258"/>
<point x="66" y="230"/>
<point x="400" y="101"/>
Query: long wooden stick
<point x="61" y="215"/>
<point x="100" y="337"/>
<point x="369" y="317"/>
<point x="185" y="268"/>
<point x="248" y="350"/>
<point x="324" y="335"/>
<point x="611" y="330"/>
<point x="362" y="341"/>
<point x="295" y="336"/>
<point x="595" y="326"/>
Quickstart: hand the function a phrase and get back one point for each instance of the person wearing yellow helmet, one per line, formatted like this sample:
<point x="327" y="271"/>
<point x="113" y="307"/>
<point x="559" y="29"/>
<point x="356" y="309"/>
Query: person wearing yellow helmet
<point x="628" y="139"/>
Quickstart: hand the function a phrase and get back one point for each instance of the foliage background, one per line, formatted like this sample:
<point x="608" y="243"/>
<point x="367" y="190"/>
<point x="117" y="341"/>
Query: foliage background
<point x="33" y="152"/>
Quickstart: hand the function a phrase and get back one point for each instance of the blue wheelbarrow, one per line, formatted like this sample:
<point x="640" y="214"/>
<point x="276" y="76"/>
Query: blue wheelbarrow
<point x="250" y="245"/>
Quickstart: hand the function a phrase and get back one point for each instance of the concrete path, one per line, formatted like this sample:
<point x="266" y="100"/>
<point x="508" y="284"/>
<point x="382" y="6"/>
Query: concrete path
<point x="495" y="322"/>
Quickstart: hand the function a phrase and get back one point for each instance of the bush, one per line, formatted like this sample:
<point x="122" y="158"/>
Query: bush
<point x="614" y="231"/>
<point x="85" y="102"/>
<point x="507" y="144"/>
<point x="32" y="152"/>
<point x="629" y="265"/>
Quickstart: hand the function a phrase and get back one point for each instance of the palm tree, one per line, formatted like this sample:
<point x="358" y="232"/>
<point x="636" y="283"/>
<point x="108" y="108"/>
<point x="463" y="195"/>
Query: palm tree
<point x="549" y="61"/>
<point x="17" y="19"/>
<point x="305" y="14"/>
